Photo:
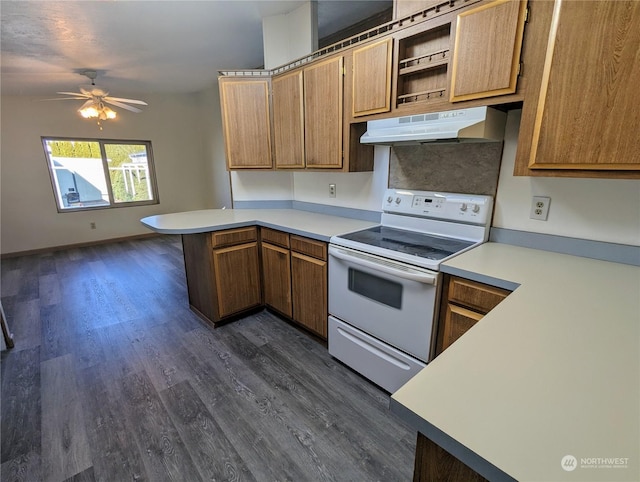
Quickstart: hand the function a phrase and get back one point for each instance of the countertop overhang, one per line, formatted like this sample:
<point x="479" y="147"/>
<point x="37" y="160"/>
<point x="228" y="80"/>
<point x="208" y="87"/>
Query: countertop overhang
<point x="552" y="371"/>
<point x="294" y="221"/>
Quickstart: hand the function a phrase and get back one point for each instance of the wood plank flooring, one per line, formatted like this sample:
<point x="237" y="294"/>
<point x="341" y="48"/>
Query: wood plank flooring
<point x="113" y="378"/>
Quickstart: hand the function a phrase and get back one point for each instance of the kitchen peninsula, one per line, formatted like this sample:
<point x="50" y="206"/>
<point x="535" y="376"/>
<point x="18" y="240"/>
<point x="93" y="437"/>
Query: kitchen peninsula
<point x="237" y="261"/>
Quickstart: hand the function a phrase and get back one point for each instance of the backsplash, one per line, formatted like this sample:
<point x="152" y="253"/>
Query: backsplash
<point x="470" y="168"/>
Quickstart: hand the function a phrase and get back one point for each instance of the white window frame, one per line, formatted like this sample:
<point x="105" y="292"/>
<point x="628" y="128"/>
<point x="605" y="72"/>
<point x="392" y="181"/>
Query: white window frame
<point x="151" y="174"/>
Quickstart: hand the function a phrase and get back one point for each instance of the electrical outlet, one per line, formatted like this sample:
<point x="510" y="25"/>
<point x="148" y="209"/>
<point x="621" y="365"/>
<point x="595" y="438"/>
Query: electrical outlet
<point x="540" y="208"/>
<point x="93" y="225"/>
<point x="332" y="190"/>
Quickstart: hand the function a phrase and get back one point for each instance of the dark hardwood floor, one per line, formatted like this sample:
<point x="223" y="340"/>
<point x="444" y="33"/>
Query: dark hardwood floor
<point x="113" y="378"/>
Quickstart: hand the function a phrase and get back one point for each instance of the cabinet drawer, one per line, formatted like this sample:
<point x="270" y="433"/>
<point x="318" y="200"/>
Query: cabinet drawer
<point x="275" y="237"/>
<point x="234" y="236"/>
<point x="478" y="296"/>
<point x="310" y="247"/>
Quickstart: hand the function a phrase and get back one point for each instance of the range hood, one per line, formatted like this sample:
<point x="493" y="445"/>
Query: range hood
<point x="476" y="124"/>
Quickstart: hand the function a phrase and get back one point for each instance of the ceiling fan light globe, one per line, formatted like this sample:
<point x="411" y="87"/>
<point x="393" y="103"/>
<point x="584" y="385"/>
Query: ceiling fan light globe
<point x="89" y="112"/>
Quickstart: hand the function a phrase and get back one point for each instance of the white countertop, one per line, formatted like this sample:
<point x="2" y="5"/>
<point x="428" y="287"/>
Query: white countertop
<point x="304" y="223"/>
<point x="553" y="370"/>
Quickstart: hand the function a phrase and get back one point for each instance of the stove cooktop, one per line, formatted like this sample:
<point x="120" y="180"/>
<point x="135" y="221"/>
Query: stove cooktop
<point x="424" y="228"/>
<point x="417" y="244"/>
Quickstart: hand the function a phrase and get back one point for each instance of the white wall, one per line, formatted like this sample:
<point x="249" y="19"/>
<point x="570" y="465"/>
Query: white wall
<point x="27" y="206"/>
<point x="359" y="190"/>
<point x="262" y="185"/>
<point x="595" y="209"/>
<point x="216" y="174"/>
<point x="290" y="36"/>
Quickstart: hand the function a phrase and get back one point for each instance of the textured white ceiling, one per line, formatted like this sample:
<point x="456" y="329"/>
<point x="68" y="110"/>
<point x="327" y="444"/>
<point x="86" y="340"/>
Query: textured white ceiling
<point x="143" y="46"/>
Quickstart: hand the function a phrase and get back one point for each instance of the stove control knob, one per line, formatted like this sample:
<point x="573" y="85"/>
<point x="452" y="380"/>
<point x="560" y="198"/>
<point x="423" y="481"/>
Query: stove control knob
<point x="389" y="199"/>
<point x="463" y="207"/>
<point x="398" y="200"/>
<point x="476" y="208"/>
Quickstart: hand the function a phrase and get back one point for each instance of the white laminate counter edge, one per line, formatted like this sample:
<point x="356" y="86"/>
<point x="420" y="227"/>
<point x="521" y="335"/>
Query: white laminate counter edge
<point x="479" y="277"/>
<point x="312" y="225"/>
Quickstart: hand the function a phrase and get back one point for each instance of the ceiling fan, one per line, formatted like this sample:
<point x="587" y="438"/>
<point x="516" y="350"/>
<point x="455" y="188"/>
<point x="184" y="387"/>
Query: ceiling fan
<point x="96" y="99"/>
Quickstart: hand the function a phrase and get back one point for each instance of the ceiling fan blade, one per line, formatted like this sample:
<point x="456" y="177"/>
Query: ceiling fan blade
<point x="120" y="104"/>
<point x="64" y="98"/>
<point x="130" y="101"/>
<point x="76" y="94"/>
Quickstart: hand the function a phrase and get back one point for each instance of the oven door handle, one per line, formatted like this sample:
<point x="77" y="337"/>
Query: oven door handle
<point x="388" y="266"/>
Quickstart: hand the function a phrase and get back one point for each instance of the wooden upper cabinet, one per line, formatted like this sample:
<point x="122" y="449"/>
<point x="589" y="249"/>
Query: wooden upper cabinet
<point x="288" y="120"/>
<point x="486" y="53"/>
<point x="372" y="78"/>
<point x="323" y="113"/>
<point x="402" y="8"/>
<point x="586" y="116"/>
<point x="246" y="122"/>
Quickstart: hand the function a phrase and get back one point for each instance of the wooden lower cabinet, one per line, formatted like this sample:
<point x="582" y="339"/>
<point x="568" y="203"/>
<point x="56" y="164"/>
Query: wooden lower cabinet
<point x="433" y="463"/>
<point x="231" y="272"/>
<point x="464" y="303"/>
<point x="294" y="271"/>
<point x="276" y="272"/>
<point x="309" y="288"/>
<point x="237" y="275"/>
<point x="457" y="321"/>
<point x="223" y="272"/>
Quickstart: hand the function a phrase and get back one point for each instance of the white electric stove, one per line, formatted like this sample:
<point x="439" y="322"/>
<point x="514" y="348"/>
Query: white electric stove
<point x="384" y="282"/>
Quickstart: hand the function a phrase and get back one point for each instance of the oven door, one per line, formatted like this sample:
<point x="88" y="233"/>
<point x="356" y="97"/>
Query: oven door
<point x="391" y="301"/>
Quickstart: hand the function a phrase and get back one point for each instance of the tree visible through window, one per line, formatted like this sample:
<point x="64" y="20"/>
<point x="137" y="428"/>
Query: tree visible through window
<point x="97" y="174"/>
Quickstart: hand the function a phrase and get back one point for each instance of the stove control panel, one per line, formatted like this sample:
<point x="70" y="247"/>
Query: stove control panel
<point x="470" y="208"/>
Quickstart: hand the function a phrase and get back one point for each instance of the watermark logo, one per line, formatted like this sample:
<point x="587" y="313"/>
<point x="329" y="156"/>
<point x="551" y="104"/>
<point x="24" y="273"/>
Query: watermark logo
<point x="569" y="463"/>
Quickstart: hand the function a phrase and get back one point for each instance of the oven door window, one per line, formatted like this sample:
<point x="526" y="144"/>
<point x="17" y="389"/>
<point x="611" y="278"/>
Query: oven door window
<point x="376" y="288"/>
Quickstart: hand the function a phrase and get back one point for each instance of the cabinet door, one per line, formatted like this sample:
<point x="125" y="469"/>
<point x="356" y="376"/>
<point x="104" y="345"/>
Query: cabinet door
<point x="372" y="78"/>
<point x="288" y="121"/>
<point x="587" y="114"/>
<point x="309" y="288"/>
<point x="246" y="122"/>
<point x="237" y="275"/>
<point x="323" y="89"/>
<point x="486" y="53"/>
<point x="276" y="269"/>
<point x="457" y="321"/>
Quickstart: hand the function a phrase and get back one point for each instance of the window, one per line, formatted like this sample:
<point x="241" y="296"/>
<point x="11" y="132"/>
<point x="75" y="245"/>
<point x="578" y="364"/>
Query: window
<point x="99" y="174"/>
